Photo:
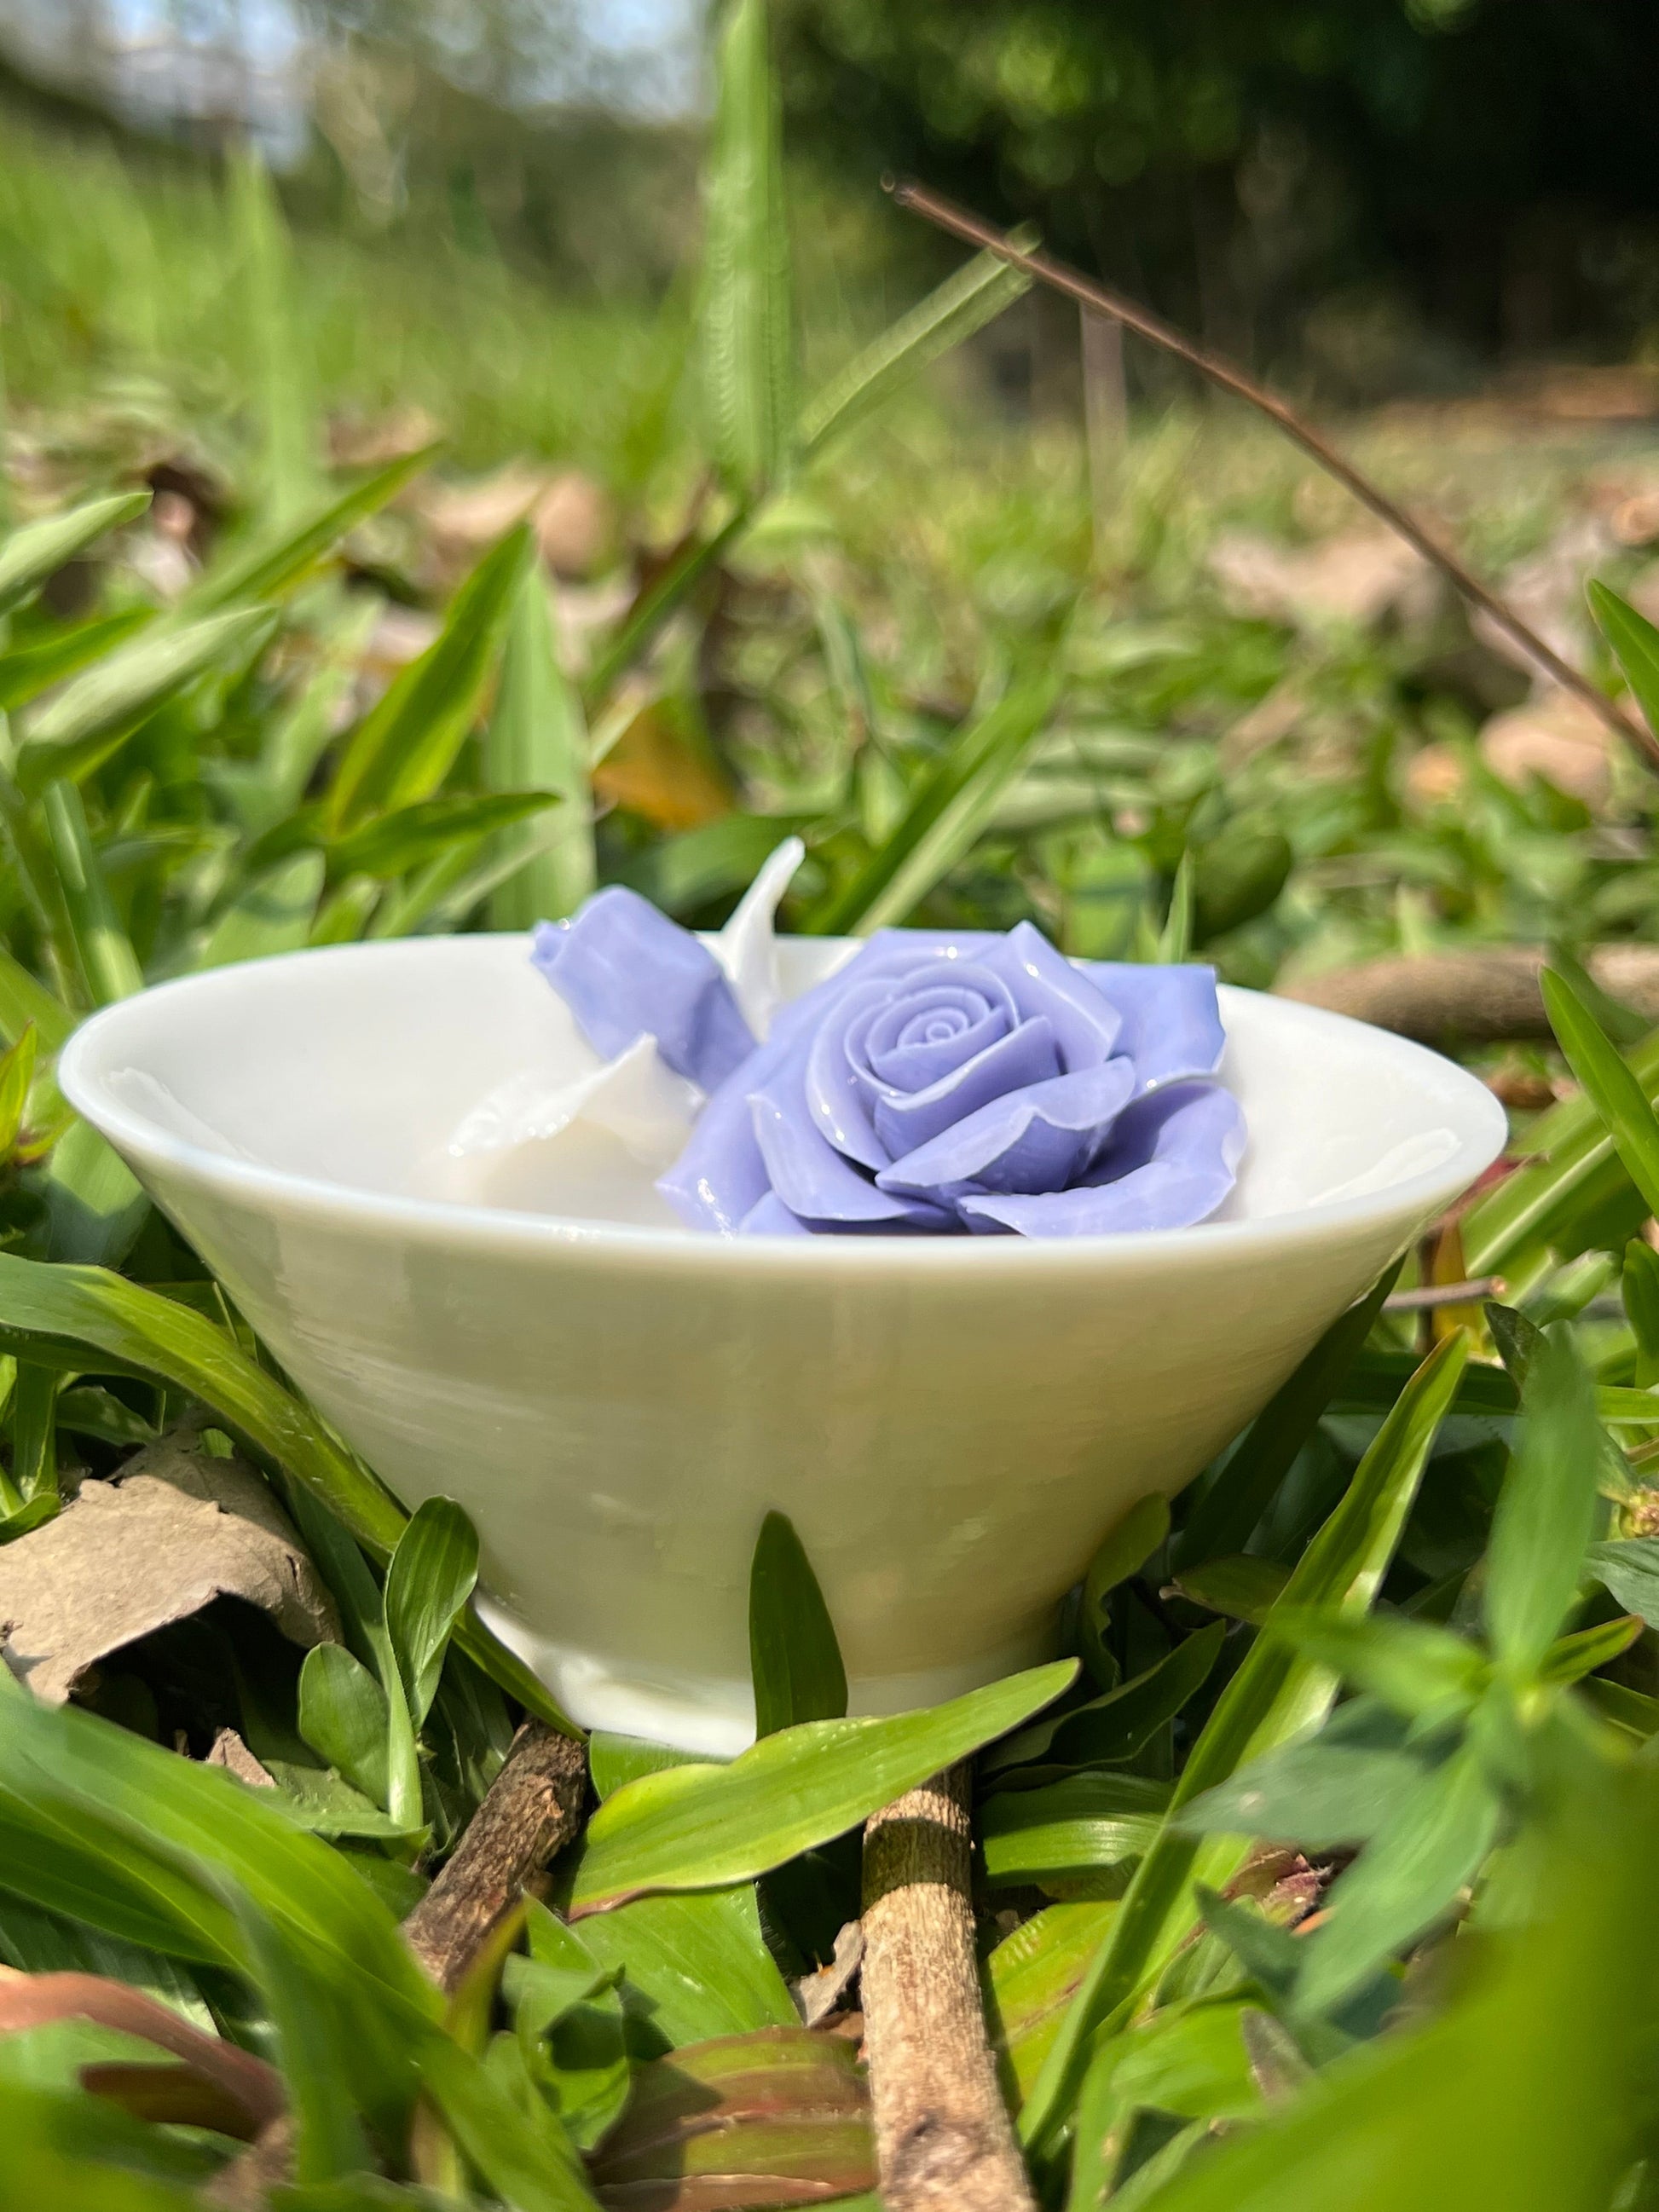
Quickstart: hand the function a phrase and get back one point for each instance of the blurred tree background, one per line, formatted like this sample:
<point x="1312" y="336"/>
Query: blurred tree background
<point x="1376" y="195"/>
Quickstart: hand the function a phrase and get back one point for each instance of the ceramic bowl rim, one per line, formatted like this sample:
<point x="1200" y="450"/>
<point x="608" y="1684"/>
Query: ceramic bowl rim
<point x="481" y="1228"/>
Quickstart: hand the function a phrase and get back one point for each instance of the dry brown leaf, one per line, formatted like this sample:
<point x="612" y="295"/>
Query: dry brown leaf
<point x="655" y="769"/>
<point x="175" y="1529"/>
<point x="1357" y="577"/>
<point x="575" y="524"/>
<point x="1556" y="737"/>
<point x="817" y="1995"/>
<point x="227" y="1750"/>
<point x="1434" y="775"/>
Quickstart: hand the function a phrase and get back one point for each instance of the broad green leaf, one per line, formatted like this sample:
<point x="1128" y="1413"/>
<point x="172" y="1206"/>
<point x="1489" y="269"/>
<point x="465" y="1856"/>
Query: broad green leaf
<point x="945" y="815"/>
<point x="613" y="1760"/>
<point x="84" y="723"/>
<point x="343" y="1715"/>
<point x="1188" y="2062"/>
<point x="976" y="295"/>
<point x="1519" y="2095"/>
<point x="54" y="1314"/>
<point x="531" y="2166"/>
<point x="1640" y="1285"/>
<point x="1619" y="1097"/>
<point x="434" y="1571"/>
<point x="272" y="913"/>
<point x="16" y="1075"/>
<point x="1272" y="1698"/>
<point x="32" y="556"/>
<point x="1423" y="1672"/>
<point x="746" y="311"/>
<point x="1317" y="1796"/>
<point x="1029" y="1982"/>
<point x="66" y="2149"/>
<point x="794" y="1660"/>
<point x="23" y="1000"/>
<point x="94" y="1207"/>
<point x="1407" y="1878"/>
<point x="1124" y="1551"/>
<point x="1117" y="1725"/>
<point x="1571" y="1657"/>
<point x="29" y="670"/>
<point x="267" y="569"/>
<point x="97" y="1822"/>
<point x="34" y="1431"/>
<point x="406" y="745"/>
<point x="1243" y="1587"/>
<point x="1073" y="1826"/>
<point x="538" y="741"/>
<point x="780" y="2117"/>
<point x="1630" y="1570"/>
<point x="1547" y="1512"/>
<point x="392" y="844"/>
<point x="706" y="1827"/>
<point x="109" y="966"/>
<point x="1221" y="1524"/>
<point x="695" y="1965"/>
<point x="1635" y="643"/>
<point x="316" y="2064"/>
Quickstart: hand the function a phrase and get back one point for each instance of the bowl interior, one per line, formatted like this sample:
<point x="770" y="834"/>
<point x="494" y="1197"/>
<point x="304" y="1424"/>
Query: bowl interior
<point x="352" y="1067"/>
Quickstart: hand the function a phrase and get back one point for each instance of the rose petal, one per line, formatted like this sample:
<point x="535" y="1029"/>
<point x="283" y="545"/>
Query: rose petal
<point x="925" y="1035"/>
<point x="625" y="970"/>
<point x="814" y="1182"/>
<point x="1086" y="1021"/>
<point x="1036" y="1140"/>
<point x="1028" y="1055"/>
<point x="770" y="1217"/>
<point x="1172" y="1160"/>
<point x="1171" y="1021"/>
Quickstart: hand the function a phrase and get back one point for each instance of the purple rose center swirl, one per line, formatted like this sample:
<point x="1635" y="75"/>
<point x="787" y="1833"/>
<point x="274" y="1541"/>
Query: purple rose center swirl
<point x="934" y="1083"/>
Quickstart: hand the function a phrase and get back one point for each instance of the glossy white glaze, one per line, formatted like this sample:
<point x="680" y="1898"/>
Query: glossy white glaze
<point x="952" y="1423"/>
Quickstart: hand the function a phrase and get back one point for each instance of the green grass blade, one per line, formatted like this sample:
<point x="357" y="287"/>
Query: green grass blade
<point x="406" y="745"/>
<point x="974" y="295"/>
<point x="1546" y="1511"/>
<point x="1635" y="643"/>
<point x="705" y="1828"/>
<point x="538" y="741"/>
<point x="103" y="950"/>
<point x="272" y="566"/>
<point x="33" y="669"/>
<point x="272" y="328"/>
<point x="413" y="836"/>
<point x="528" y="2163"/>
<point x="85" y="722"/>
<point x="1640" y="1286"/>
<point x="24" y="1000"/>
<point x="55" y="1314"/>
<point x="32" y="556"/>
<point x="795" y="1660"/>
<point x="432" y="1573"/>
<point x="746" y="311"/>
<point x="1223" y="1519"/>
<point x="1617" y="1096"/>
<point x="939" y="827"/>
<point x="657" y="604"/>
<point x="272" y="913"/>
<point x="1271" y="1696"/>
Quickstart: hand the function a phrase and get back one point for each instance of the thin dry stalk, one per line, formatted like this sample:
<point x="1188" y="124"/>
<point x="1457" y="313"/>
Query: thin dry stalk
<point x="973" y="230"/>
<point x="532" y="1809"/>
<point x="942" y="2138"/>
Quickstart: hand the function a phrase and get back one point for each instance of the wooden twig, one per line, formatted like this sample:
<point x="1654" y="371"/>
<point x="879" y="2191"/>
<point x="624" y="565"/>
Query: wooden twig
<point x="532" y="1809"/>
<point x="942" y="2138"/>
<point x="1487" y="995"/>
<point x="974" y="231"/>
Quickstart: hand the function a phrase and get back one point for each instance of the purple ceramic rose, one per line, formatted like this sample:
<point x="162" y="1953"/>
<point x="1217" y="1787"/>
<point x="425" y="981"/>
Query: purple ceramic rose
<point x="935" y="1083"/>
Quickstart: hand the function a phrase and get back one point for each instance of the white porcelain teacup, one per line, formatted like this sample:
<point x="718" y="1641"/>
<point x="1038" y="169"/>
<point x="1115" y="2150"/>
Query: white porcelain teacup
<point x="951" y="1423"/>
